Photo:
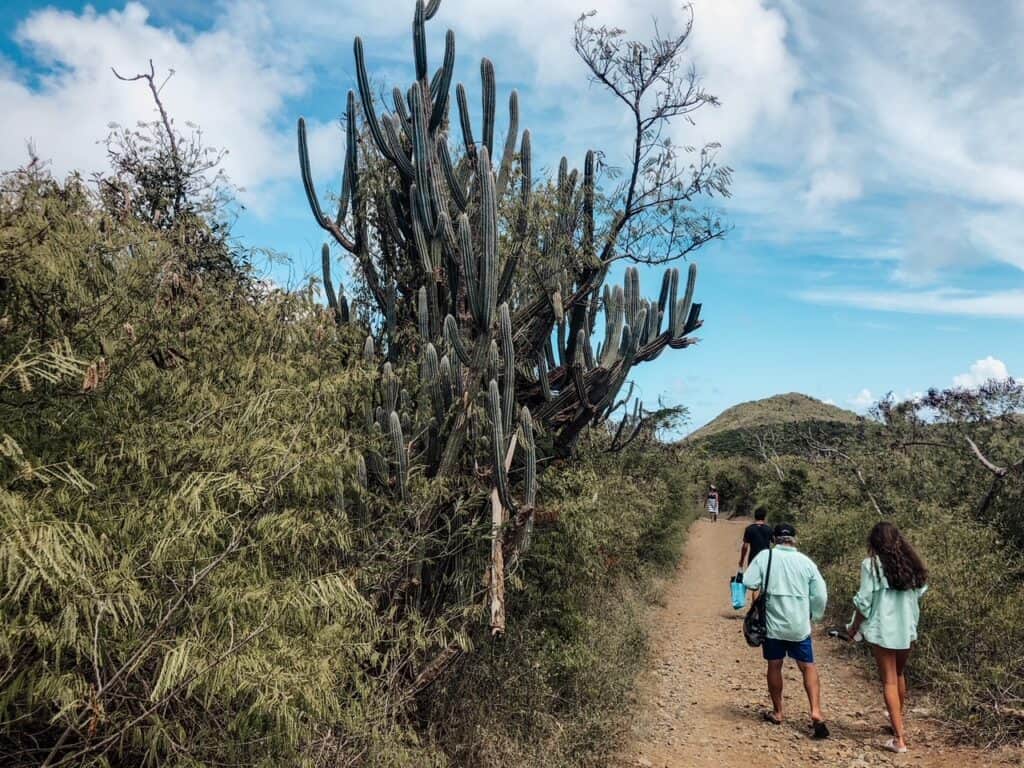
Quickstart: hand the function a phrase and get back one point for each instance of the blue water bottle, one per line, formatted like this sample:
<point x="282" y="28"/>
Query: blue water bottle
<point x="739" y="592"/>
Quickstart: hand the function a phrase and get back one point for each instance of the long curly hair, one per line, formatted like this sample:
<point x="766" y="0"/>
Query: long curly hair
<point x="904" y="568"/>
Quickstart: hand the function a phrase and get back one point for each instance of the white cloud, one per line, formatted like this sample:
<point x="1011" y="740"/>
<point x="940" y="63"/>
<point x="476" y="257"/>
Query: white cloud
<point x="829" y="187"/>
<point x="923" y="102"/>
<point x="863" y="400"/>
<point x="981" y="371"/>
<point x="944" y="301"/>
<point x="231" y="80"/>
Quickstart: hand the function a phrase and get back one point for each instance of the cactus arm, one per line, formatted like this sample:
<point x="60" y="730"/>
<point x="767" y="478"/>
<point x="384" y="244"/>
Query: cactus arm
<point x="633" y="298"/>
<point x="687" y="302"/>
<point x="498" y="445"/>
<point x="419" y="236"/>
<point x="311" y="196"/>
<point x="366" y="97"/>
<point x="542" y="377"/>
<point x="454" y="185"/>
<point x="488" y="237"/>
<point x="422" y="313"/>
<point x="348" y="174"/>
<point x="508" y="273"/>
<point x="509" y="153"/>
<point x="389" y="387"/>
<point x="525" y="184"/>
<point x="431" y="378"/>
<point x="401" y="455"/>
<point x="444" y="83"/>
<point x="530" y="446"/>
<point x="489" y="94"/>
<point x="419" y="41"/>
<point x="493" y="366"/>
<point x="399" y="157"/>
<point x="332" y="298"/>
<point x="508" y="364"/>
<point x="693" y="322"/>
<point x="465" y="122"/>
<point x="673" y="306"/>
<point x="470" y="271"/>
<point x="454" y="339"/>
<point x="401" y="111"/>
<point x="361" y="477"/>
<point x="421" y="155"/>
<point x="589" y="250"/>
<point x="576" y="369"/>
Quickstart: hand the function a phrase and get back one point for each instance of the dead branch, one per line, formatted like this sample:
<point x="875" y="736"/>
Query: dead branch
<point x="150" y="78"/>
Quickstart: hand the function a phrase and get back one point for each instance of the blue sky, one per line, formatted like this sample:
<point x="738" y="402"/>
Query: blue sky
<point x="877" y="238"/>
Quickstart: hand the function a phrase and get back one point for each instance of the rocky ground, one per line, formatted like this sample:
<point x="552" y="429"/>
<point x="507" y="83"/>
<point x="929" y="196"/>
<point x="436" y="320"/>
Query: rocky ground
<point x="700" y="704"/>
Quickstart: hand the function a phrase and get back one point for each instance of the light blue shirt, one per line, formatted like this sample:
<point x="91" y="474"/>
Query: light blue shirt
<point x="890" y="615"/>
<point x="796" y="592"/>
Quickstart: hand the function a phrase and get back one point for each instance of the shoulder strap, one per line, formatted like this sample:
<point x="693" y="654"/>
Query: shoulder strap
<point x="768" y="571"/>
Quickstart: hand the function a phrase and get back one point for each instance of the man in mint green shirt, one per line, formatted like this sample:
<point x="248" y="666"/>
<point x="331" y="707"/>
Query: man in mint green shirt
<point x="796" y="596"/>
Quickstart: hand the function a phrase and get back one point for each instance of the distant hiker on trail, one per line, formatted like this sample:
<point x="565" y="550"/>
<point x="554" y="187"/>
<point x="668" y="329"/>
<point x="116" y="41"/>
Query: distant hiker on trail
<point x="796" y="596"/>
<point x="756" y="538"/>
<point x="712" y="503"/>
<point x="892" y="580"/>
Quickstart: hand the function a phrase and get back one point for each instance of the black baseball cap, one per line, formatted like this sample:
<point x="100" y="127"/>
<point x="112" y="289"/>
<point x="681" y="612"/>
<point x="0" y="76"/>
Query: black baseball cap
<point x="784" y="529"/>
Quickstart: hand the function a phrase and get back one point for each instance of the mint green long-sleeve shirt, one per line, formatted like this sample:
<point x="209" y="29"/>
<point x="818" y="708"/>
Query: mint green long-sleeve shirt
<point x="797" y="593"/>
<point x="890" y="615"/>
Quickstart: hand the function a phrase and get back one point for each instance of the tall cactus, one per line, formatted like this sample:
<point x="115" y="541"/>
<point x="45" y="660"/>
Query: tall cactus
<point x="479" y="287"/>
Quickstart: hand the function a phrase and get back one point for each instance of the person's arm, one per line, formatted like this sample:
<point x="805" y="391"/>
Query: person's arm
<point x="754" y="574"/>
<point x="817" y="595"/>
<point x="743" y="553"/>
<point x="862" y="600"/>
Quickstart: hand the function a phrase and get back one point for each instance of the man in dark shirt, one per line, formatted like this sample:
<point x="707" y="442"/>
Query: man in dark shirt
<point x="756" y="538"/>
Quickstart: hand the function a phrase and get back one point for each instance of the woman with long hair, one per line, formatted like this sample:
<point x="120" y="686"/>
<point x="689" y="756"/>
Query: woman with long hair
<point x="892" y="579"/>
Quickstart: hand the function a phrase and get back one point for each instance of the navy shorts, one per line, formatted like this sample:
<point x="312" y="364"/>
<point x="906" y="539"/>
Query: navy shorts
<point x="798" y="650"/>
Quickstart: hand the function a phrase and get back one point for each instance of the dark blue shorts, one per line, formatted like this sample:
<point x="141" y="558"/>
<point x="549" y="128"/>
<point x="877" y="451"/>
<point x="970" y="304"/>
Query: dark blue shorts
<point x="798" y="650"/>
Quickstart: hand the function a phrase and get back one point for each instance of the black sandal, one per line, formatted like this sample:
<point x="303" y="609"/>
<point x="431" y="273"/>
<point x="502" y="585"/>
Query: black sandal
<point x="769" y="717"/>
<point x="820" y="729"/>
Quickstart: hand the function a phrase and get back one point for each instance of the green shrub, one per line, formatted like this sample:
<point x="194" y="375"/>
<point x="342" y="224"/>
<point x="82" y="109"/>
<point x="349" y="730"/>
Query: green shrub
<point x="576" y="622"/>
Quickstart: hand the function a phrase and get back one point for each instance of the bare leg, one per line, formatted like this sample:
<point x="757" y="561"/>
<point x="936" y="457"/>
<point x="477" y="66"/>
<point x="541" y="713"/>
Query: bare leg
<point x="886" y="661"/>
<point x="812" y="685"/>
<point x="775" y="686"/>
<point x="902" y="657"/>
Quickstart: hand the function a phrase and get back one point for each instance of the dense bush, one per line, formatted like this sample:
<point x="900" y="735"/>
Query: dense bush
<point x="576" y="637"/>
<point x="192" y="569"/>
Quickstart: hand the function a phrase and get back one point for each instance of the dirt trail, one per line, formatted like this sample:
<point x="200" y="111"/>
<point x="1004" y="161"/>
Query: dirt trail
<point x="701" y="701"/>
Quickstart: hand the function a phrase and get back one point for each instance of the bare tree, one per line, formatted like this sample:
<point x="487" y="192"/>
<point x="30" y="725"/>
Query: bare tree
<point x="654" y="220"/>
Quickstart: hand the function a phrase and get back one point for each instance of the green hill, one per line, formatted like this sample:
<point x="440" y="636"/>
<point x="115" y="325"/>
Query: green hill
<point x="779" y="409"/>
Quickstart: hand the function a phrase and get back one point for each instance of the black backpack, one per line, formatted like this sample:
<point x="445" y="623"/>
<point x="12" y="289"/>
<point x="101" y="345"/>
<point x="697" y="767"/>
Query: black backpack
<point x="755" y="625"/>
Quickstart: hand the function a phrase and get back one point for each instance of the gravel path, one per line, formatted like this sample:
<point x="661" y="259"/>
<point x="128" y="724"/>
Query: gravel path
<point x="699" y="706"/>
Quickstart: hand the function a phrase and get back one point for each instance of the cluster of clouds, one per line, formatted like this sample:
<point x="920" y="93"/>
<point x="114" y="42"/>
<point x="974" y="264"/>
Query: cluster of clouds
<point x="980" y="372"/>
<point x="241" y="71"/>
<point x="894" y="126"/>
<point x="229" y="80"/>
